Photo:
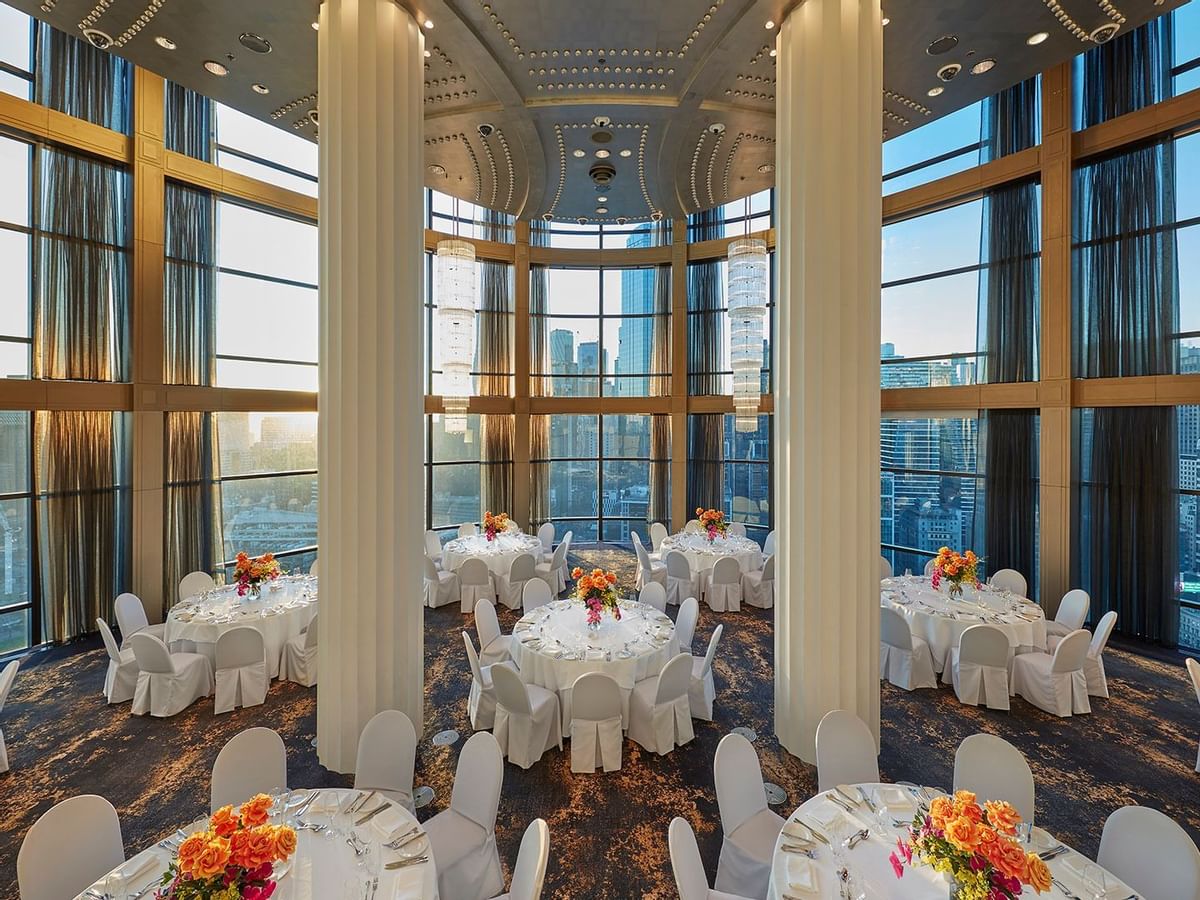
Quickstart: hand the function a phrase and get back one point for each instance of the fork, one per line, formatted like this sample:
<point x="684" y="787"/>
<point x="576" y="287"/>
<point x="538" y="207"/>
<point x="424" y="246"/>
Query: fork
<point x="1066" y="893"/>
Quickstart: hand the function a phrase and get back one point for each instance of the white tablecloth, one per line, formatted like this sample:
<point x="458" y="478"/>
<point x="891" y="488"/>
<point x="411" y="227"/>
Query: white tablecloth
<point x="868" y="864"/>
<point x="283" y="610"/>
<point x="498" y="554"/>
<point x="552" y="646"/>
<point x="323" y="864"/>
<point x="940" y="621"/>
<point x="702" y="554"/>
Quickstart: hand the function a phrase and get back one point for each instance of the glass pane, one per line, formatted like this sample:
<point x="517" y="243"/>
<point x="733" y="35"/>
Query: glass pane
<point x="626" y="493"/>
<point x="626" y="436"/>
<point x="14" y="360"/>
<point x="955" y="131"/>
<point x="932" y="317"/>
<point x="629" y="292"/>
<point x="14" y="630"/>
<point x="248" y="134"/>
<point x="251" y="443"/>
<point x="14" y="173"/>
<point x="14" y="264"/>
<point x="573" y="489"/>
<point x="249" y="308"/>
<point x="14" y="570"/>
<point x="14" y="456"/>
<point x="573" y="292"/>
<point x="573" y="436"/>
<point x="270" y="376"/>
<point x="1186" y="28"/>
<point x="235" y="163"/>
<point x="253" y="241"/>
<point x="461" y="447"/>
<point x="269" y="514"/>
<point x="582" y="531"/>
<point x="15" y="34"/>
<point x="936" y="242"/>
<point x="1187" y="188"/>
<point x="455" y="496"/>
<point x="565" y="234"/>
<point x="1188" y="257"/>
<point x="620" y="531"/>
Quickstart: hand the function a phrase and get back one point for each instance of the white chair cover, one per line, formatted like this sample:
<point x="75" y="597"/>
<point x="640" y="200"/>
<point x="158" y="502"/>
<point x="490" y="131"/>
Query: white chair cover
<point x="658" y="531"/>
<point x="528" y="721"/>
<point x="769" y="544"/>
<point x="1010" y="580"/>
<point x="845" y="751"/>
<point x="648" y="569"/>
<point x="468" y="529"/>
<point x="241" y="669"/>
<point x="252" y="762"/>
<point x="885" y="567"/>
<point x="654" y="594"/>
<point x="567" y="539"/>
<point x="535" y="593"/>
<point x="1055" y="683"/>
<point x="702" y="690"/>
<point x="474" y="583"/>
<point x="387" y="755"/>
<point x="1193" y="668"/>
<point x="510" y="585"/>
<point x="529" y="872"/>
<point x="72" y="845"/>
<point x="545" y="534"/>
<point x="738" y="528"/>
<point x="298" y="663"/>
<point x="1093" y="663"/>
<point x="194" y="583"/>
<point x="167" y="682"/>
<point x="441" y="588"/>
<point x="994" y="769"/>
<point x="463" y="837"/>
<point x="131" y="618"/>
<point x="595" y="723"/>
<point x="693" y="526"/>
<point x="758" y="588"/>
<point x="690" y="880"/>
<point x="750" y="829"/>
<point x="7" y="678"/>
<point x="1072" y="613"/>
<point x="312" y="570"/>
<point x="433" y="547"/>
<point x="929" y="567"/>
<point x="481" y="701"/>
<point x="724" y="589"/>
<point x="685" y="624"/>
<point x="120" y="680"/>
<point x="681" y="582"/>
<point x="553" y="572"/>
<point x="493" y="643"/>
<point x="904" y="658"/>
<point x="978" y="667"/>
<point x="659" y="714"/>
<point x="1151" y="853"/>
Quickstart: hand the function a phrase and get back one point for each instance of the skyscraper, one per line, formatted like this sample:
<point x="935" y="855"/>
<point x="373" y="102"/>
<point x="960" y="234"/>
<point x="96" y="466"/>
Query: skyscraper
<point x="635" y="337"/>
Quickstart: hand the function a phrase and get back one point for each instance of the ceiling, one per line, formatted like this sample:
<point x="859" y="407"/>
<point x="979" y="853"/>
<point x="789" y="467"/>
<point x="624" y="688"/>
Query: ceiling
<point x="685" y="88"/>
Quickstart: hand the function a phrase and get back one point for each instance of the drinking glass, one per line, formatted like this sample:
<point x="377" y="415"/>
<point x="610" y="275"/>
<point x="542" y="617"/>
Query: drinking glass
<point x="1096" y="880"/>
<point x="1025" y="832"/>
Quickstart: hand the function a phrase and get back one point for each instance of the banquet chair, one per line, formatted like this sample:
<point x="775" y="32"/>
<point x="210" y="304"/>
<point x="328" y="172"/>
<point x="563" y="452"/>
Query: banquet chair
<point x="904" y="658"/>
<point x="702" y="690"/>
<point x="749" y="827"/>
<point x="680" y="581"/>
<point x="545" y="534"/>
<point x="1151" y="853"/>
<point x="658" y="531"/>
<point x="595" y="723"/>
<point x="494" y="644"/>
<point x="131" y="619"/>
<point x="468" y="529"/>
<point x="463" y="837"/>
<point x="654" y="594"/>
<point x="978" y="667"/>
<point x="194" y="583"/>
<point x="688" y="867"/>
<point x="758" y="588"/>
<point x="528" y="721"/>
<point x="993" y="769"/>
<point x="929" y="567"/>
<point x="535" y="593"/>
<point x="1072" y="613"/>
<point x="1093" y="663"/>
<point x="312" y="570"/>
<point x="1193" y="668"/>
<point x="529" y="871"/>
<point x="252" y="762"/>
<point x="685" y="624"/>
<point x="387" y="755"/>
<point x="474" y="583"/>
<point x="1010" y="580"/>
<point x="7" y="677"/>
<point x="553" y="572"/>
<point x="1055" y="683"/>
<point x="87" y="827"/>
<point x="737" y="528"/>
<point x="241" y="676"/>
<point x="481" y="702"/>
<point x="693" y="526"/>
<point x="298" y="662"/>
<point x="845" y="751"/>
<point x="433" y="548"/>
<point x="648" y="569"/>
<point x="441" y="588"/>
<point x="121" y="678"/>
<point x="723" y="591"/>
<point x="769" y="544"/>
<point x="509" y="585"/>
<point x="885" y="568"/>
<point x="659" y="714"/>
<point x="167" y="682"/>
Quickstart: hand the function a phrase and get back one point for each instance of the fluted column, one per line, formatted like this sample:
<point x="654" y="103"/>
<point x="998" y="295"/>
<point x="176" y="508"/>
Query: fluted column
<point x="371" y="643"/>
<point x="826" y="442"/>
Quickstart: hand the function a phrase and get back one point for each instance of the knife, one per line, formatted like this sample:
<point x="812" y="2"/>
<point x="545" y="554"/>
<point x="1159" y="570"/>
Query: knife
<point x="413" y="838"/>
<point x="846" y="796"/>
<point x="405" y="863"/>
<point x="362" y="801"/>
<point x="820" y="837"/>
<point x="372" y="814"/>
<point x="837" y="801"/>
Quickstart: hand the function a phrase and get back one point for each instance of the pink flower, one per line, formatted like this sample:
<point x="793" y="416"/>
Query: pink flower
<point x="905" y="850"/>
<point x="897" y="866"/>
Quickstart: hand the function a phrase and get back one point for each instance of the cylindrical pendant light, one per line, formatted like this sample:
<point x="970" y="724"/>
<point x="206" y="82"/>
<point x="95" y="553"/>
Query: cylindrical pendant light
<point x="747" y="293"/>
<point x="456" y="308"/>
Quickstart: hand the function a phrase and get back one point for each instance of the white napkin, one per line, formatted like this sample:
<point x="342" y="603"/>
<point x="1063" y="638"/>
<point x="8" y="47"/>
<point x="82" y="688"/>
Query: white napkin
<point x="801" y="874"/>
<point x="135" y="871"/>
<point x="897" y="800"/>
<point x="391" y="819"/>
<point x="410" y="883"/>
<point x="1072" y="872"/>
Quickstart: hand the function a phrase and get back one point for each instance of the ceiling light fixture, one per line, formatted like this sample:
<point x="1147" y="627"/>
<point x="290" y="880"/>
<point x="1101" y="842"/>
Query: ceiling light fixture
<point x="429" y="23"/>
<point x="627" y="153"/>
<point x="165" y="42"/>
<point x="578" y="154"/>
<point x="255" y="43"/>
<point x="601" y="199"/>
<point x="769" y="25"/>
<point x="215" y="68"/>
<point x="1034" y="39"/>
<point x="747" y="293"/>
<point x="428" y="54"/>
<point x="601" y="209"/>
<point x="984" y="65"/>
<point x="773" y="52"/>
<point x="437" y="170"/>
<point x="316" y="26"/>
<point x="456" y="311"/>
<point x="766" y="168"/>
<point x="602" y="154"/>
<point x="886" y="20"/>
<point x="935" y="91"/>
<point x="260" y="88"/>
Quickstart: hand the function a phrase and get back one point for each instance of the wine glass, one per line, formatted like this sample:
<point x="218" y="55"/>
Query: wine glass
<point x="1096" y="880"/>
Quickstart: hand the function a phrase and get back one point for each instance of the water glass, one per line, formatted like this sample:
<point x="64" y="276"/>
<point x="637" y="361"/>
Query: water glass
<point x="1096" y="881"/>
<point x="1025" y="833"/>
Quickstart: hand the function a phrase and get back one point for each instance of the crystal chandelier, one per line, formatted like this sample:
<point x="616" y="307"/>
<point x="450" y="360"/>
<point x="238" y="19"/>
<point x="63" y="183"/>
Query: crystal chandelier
<point x="747" y="294"/>
<point x="456" y="328"/>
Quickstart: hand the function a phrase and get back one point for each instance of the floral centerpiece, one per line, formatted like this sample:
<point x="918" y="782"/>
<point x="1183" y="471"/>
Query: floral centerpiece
<point x="595" y="590"/>
<point x="975" y="846"/>
<point x="494" y="524"/>
<point x="956" y="569"/>
<point x="713" y="522"/>
<point x="233" y="859"/>
<point x="251" y="573"/>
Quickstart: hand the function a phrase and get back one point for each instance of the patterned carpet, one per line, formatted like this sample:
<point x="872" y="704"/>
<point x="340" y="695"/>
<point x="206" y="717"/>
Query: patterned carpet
<point x="608" y="832"/>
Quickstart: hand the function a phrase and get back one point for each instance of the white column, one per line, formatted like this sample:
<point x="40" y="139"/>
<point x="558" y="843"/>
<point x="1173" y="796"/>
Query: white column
<point x="371" y="642"/>
<point x="826" y="443"/>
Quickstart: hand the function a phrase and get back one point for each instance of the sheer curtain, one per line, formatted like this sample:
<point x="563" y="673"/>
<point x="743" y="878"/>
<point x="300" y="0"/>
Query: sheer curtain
<point x="495" y="331"/>
<point x="189" y="286"/>
<point x="190" y="122"/>
<point x="74" y="77"/>
<point x="191" y="503"/>
<point x="539" y="385"/>
<point x="706" y="341"/>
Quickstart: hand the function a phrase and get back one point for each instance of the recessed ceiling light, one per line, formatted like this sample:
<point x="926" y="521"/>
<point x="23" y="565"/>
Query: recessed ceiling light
<point x="429" y="23"/>
<point x="769" y="25"/>
<point x="165" y="42"/>
<point x="260" y="89"/>
<point x="602" y="154"/>
<point x="767" y="168"/>
<point x="578" y="154"/>
<point x="773" y="51"/>
<point x="215" y="68"/>
<point x="627" y="153"/>
<point x="935" y="91"/>
<point x="428" y="54"/>
<point x="312" y="115"/>
<point x="601" y="199"/>
<point x="984" y="65"/>
<point x="602" y="209"/>
<point x="255" y="43"/>
<point x="1034" y="39"/>
<point x="886" y="20"/>
<point x="316" y="26"/>
<point x="438" y="170"/>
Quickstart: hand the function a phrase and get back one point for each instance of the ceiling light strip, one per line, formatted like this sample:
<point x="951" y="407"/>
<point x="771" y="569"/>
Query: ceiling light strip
<point x="1065" y="20"/>
<point x="655" y="213"/>
<point x="907" y="101"/>
<point x="508" y="162"/>
<point x="712" y="162"/>
<point x="695" y="164"/>
<point x="1111" y="11"/>
<point x="562" y="168"/>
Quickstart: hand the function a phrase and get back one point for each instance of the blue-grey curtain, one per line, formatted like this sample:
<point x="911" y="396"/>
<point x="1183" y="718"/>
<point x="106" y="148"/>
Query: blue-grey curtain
<point x="539" y="385"/>
<point x="192" y="506"/>
<point x="706" y="340"/>
<point x="72" y="76"/>
<point x="1008" y="460"/>
<point x="190" y="122"/>
<point x="189" y="286"/>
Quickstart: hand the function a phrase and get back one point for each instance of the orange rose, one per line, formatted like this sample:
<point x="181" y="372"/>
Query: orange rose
<point x="1039" y="873"/>
<point x="239" y="850"/>
<point x="610" y="578"/>
<point x="285" y="842"/>
<point x="1010" y="859"/>
<point x="969" y="811"/>
<point x="576" y="572"/>
<point x="212" y="859"/>
<point x="191" y="848"/>
<point x="941" y="809"/>
<point x="963" y="834"/>
<point x="223" y="821"/>
<point x="259" y="846"/>
<point x="1002" y="816"/>
<point x="256" y="810"/>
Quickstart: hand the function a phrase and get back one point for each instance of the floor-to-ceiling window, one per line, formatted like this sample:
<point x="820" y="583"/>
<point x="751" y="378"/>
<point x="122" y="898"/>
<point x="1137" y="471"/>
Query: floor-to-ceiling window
<point x="16" y="538"/>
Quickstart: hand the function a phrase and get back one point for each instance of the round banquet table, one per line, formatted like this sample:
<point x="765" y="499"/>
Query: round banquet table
<point x="324" y="866"/>
<point x="498" y="554"/>
<point x="702" y="554"/>
<point x="552" y="646"/>
<point x="793" y="875"/>
<point x="283" y="610"/>
<point x="940" y="621"/>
